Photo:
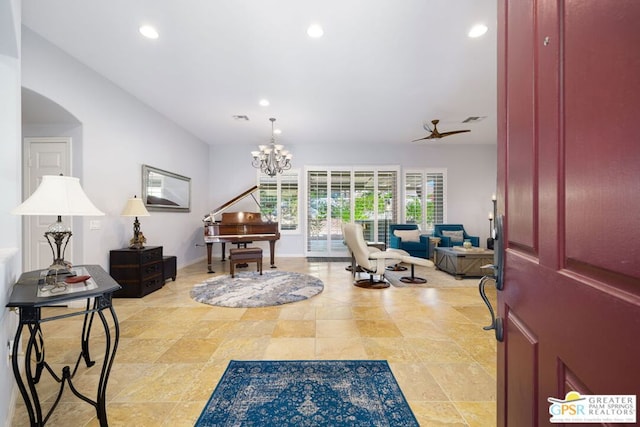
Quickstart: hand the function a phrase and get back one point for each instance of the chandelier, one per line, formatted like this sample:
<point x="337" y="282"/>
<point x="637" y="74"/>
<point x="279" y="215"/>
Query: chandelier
<point x="272" y="159"/>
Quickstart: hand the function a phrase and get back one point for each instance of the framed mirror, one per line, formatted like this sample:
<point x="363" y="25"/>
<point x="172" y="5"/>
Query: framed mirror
<point x="165" y="191"/>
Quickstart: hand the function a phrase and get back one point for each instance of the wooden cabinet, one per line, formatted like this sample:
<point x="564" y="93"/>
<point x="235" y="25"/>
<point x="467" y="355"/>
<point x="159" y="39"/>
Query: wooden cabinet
<point x="138" y="271"/>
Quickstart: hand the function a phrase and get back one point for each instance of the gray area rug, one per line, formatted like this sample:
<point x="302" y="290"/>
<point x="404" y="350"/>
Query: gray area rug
<point x="250" y="289"/>
<point x="435" y="278"/>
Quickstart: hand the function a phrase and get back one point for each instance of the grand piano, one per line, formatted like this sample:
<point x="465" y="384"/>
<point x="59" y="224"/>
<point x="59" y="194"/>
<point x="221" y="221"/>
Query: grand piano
<point x="238" y="228"/>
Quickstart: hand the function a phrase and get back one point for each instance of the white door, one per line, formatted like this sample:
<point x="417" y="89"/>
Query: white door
<point x="42" y="156"/>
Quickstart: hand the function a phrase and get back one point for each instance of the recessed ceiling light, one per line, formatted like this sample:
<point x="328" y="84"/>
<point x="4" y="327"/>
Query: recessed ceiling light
<point x="264" y="102"/>
<point x="477" y="30"/>
<point x="149" y="32"/>
<point x="315" y="31"/>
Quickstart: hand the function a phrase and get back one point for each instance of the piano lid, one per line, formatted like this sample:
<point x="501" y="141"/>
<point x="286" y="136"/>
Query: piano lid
<point x="231" y="202"/>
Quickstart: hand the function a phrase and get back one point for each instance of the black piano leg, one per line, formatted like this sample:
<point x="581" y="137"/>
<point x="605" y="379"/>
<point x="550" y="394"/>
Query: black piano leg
<point x="272" y="250"/>
<point x="209" y="245"/>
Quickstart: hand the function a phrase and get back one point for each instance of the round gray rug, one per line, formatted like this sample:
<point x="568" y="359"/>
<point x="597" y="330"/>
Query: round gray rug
<point x="250" y="289"/>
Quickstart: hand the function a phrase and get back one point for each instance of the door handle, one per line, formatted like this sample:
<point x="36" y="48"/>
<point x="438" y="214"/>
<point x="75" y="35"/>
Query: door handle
<point x="496" y="322"/>
<point x="497" y="278"/>
<point x="498" y="256"/>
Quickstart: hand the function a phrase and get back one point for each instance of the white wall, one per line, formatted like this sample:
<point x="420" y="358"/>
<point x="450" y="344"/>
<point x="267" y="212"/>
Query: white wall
<point x="10" y="237"/>
<point x="118" y="135"/>
<point x="471" y="176"/>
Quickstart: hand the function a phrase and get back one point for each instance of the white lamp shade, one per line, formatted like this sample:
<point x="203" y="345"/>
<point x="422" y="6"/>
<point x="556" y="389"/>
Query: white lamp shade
<point x="134" y="207"/>
<point x="58" y="195"/>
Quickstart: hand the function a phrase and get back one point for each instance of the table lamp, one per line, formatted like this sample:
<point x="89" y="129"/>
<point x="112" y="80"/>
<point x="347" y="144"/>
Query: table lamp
<point x="136" y="208"/>
<point x="59" y="196"/>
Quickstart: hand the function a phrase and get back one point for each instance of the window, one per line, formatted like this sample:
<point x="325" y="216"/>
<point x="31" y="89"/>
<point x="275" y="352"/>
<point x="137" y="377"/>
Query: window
<point x="279" y="199"/>
<point x="339" y="195"/>
<point x="425" y="198"/>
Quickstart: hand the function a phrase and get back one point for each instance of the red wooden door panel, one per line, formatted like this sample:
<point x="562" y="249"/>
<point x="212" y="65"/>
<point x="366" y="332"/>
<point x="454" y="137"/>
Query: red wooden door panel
<point x="569" y="186"/>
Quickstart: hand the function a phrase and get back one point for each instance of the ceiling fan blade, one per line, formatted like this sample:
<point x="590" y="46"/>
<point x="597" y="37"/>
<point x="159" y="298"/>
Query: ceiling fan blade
<point x="426" y="137"/>
<point x="453" y="132"/>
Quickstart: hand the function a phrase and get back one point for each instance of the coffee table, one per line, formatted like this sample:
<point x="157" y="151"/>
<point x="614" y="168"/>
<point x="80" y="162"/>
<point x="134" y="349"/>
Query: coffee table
<point x="462" y="262"/>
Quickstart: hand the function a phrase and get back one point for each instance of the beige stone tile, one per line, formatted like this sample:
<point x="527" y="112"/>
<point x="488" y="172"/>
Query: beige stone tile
<point x="438" y="414"/>
<point x="464" y="381"/>
<point x="334" y="313"/>
<point x="134" y="328"/>
<point x="416" y="384"/>
<point x="340" y="349"/>
<point x="295" y="328"/>
<point x="483" y="350"/>
<point x="153" y="314"/>
<point x="209" y="329"/>
<point x="439" y="351"/>
<point x="185" y="414"/>
<point x="420" y="329"/>
<point x="242" y="348"/>
<point x="190" y="350"/>
<point x="475" y="313"/>
<point x="478" y="414"/>
<point x="460" y="331"/>
<point x="290" y="349"/>
<point x="378" y="328"/>
<point x="141" y="350"/>
<point x="224" y="313"/>
<point x="337" y="328"/>
<point x="370" y="312"/>
<point x="253" y="328"/>
<point x="262" y="313"/>
<point x="391" y="349"/>
<point x="140" y="414"/>
<point x="162" y="383"/>
<point x="204" y="383"/>
<point x="297" y="312"/>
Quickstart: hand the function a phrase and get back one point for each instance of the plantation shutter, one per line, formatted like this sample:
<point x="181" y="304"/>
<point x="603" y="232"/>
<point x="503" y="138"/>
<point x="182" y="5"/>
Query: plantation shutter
<point x="425" y="198"/>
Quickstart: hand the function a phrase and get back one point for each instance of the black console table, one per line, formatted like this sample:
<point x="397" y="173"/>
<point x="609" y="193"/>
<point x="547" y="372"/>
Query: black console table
<point x="28" y="297"/>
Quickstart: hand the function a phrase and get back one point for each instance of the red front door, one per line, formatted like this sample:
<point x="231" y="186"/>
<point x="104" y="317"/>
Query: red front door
<point x="569" y="189"/>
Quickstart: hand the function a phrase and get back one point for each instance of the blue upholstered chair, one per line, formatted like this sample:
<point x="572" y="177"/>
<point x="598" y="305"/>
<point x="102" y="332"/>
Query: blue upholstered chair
<point x="408" y="238"/>
<point x="453" y="235"/>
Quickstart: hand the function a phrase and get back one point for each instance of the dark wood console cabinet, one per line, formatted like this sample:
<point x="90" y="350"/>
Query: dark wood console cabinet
<point x="138" y="271"/>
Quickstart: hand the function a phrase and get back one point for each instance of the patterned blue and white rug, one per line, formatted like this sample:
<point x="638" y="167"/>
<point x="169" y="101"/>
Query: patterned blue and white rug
<point x="308" y="393"/>
<point x="250" y="289"/>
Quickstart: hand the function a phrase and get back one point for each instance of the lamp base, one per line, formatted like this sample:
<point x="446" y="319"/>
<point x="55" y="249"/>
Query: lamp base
<point x="58" y="235"/>
<point x="490" y="243"/>
<point x="59" y="267"/>
<point x="138" y="241"/>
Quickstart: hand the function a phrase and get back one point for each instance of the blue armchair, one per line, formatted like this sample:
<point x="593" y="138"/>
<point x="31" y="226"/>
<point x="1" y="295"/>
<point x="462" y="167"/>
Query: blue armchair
<point x="408" y="238"/>
<point x="452" y="236"/>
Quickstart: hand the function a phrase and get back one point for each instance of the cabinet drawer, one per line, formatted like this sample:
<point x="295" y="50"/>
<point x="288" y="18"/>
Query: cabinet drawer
<point x="135" y="257"/>
<point x="151" y="255"/>
<point x="148" y="270"/>
<point x="137" y="288"/>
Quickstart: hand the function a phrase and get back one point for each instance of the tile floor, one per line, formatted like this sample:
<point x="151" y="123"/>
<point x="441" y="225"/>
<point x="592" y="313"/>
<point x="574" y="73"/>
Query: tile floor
<point x="172" y="350"/>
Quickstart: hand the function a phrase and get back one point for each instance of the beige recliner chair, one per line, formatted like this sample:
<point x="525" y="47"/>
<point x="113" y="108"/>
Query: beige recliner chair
<point x="374" y="261"/>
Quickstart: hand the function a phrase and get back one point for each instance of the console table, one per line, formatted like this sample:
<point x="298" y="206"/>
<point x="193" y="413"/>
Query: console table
<point x="27" y="297"/>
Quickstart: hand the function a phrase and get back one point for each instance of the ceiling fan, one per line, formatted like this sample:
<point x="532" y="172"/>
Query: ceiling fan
<point x="435" y="134"/>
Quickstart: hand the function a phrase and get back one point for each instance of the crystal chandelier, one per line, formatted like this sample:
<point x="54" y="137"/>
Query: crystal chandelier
<point x="272" y="159"/>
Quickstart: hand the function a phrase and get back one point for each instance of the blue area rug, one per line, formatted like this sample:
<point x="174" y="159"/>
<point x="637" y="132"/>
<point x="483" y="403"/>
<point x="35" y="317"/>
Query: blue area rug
<point x="251" y="289"/>
<point x="307" y="393"/>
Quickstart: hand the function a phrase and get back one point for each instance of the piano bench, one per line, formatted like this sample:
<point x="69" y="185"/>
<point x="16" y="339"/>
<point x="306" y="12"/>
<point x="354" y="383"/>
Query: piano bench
<point x="243" y="256"/>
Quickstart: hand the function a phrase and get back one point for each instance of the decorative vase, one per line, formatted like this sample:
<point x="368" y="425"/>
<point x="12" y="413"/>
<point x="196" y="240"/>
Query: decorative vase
<point x="466" y="244"/>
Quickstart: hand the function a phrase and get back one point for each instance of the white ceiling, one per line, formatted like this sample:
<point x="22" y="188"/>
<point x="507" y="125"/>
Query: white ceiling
<point x="382" y="69"/>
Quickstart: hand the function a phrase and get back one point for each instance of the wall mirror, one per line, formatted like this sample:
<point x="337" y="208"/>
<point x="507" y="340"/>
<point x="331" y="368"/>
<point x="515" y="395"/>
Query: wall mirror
<point x="165" y="191"/>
